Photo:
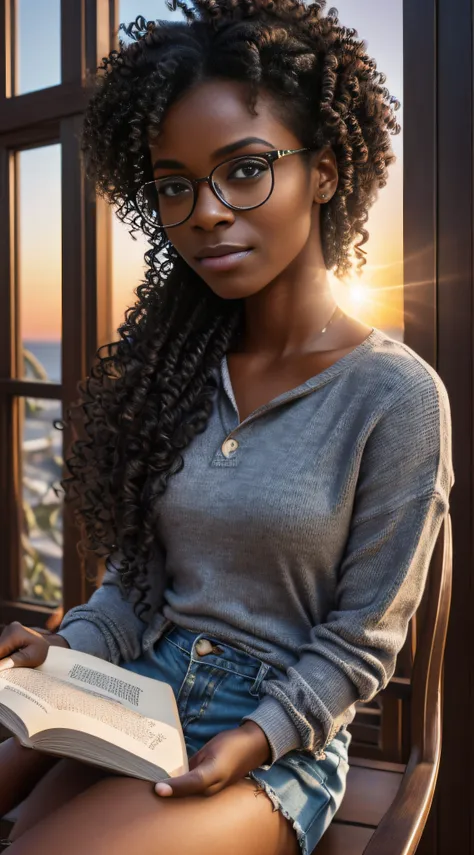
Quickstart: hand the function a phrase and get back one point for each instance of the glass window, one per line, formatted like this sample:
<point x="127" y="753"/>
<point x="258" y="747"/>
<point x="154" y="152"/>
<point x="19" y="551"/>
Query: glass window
<point x="128" y="262"/>
<point x="37" y="45"/>
<point x="128" y="266"/>
<point x="41" y="471"/>
<point x="376" y="297"/>
<point x="149" y="9"/>
<point x="39" y="257"/>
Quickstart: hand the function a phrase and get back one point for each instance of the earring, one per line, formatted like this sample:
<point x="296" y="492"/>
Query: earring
<point x="324" y="195"/>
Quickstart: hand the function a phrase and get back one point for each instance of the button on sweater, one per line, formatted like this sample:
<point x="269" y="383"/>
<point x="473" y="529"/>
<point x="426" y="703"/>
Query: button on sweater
<point x="302" y="536"/>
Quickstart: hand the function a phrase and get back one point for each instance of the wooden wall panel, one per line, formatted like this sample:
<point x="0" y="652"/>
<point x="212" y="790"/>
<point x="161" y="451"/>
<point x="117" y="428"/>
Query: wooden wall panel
<point x="455" y="364"/>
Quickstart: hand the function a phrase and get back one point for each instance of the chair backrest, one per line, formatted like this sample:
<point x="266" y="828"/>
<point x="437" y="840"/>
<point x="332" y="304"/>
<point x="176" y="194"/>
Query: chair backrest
<point x="399" y="717"/>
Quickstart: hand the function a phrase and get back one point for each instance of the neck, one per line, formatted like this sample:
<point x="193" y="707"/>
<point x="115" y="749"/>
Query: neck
<point x="286" y="317"/>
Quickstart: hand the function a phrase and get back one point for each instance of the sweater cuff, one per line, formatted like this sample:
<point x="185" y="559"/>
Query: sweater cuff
<point x="82" y="635"/>
<point x="277" y="726"/>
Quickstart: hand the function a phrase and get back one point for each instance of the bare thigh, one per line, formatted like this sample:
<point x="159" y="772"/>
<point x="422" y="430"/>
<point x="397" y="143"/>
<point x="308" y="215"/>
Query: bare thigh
<point x="125" y="816"/>
<point x="65" y="780"/>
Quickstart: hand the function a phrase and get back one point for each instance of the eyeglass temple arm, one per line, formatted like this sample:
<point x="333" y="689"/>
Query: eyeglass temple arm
<point x="282" y="152"/>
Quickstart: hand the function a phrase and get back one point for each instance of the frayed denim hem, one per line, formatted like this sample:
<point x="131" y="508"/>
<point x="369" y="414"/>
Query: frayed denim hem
<point x="300" y="834"/>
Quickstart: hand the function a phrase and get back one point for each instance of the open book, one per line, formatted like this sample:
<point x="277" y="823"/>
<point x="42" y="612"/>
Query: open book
<point x="76" y="705"/>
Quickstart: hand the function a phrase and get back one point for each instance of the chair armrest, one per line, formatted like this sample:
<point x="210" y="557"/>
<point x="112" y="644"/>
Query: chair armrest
<point x="401" y="828"/>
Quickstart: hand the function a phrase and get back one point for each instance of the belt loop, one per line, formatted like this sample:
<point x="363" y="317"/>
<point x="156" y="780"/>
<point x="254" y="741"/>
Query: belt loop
<point x="262" y="673"/>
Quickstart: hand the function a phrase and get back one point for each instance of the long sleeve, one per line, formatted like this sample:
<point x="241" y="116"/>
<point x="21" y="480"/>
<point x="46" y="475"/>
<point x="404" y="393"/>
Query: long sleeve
<point x="107" y="626"/>
<point x="401" y="498"/>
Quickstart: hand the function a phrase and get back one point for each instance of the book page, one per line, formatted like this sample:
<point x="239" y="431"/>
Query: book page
<point x="27" y="707"/>
<point x="115" y="721"/>
<point x="152" y="698"/>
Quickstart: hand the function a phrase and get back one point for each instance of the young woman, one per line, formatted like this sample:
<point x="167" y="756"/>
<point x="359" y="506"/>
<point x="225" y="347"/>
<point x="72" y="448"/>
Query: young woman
<point x="266" y="475"/>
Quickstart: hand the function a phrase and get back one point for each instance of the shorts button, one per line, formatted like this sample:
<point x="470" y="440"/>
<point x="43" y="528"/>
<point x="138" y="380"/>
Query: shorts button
<point x="203" y="646"/>
<point x="229" y="446"/>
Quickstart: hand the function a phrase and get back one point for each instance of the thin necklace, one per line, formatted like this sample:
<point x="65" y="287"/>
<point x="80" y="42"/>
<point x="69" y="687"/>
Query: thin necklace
<point x="337" y="313"/>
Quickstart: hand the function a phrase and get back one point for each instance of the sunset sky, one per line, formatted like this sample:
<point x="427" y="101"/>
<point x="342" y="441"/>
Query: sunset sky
<point x="377" y="298"/>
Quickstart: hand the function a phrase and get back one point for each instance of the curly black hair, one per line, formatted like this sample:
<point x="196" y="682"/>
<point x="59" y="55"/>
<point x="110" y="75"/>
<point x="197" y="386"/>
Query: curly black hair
<point x="151" y="392"/>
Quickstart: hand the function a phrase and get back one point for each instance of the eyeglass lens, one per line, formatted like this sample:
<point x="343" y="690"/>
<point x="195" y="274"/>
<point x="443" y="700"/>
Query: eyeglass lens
<point x="244" y="183"/>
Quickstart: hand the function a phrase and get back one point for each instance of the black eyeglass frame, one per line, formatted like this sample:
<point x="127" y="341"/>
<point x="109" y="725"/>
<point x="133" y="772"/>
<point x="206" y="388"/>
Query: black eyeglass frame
<point x="269" y="156"/>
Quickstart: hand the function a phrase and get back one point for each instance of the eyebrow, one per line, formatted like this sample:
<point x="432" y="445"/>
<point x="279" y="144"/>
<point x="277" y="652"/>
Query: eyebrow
<point x="220" y="152"/>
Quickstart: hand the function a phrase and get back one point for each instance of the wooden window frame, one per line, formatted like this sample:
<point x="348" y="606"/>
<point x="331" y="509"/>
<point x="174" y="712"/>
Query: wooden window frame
<point x="51" y="115"/>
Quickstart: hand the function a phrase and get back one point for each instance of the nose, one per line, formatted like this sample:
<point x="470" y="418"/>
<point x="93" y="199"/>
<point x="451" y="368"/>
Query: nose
<point x="209" y="211"/>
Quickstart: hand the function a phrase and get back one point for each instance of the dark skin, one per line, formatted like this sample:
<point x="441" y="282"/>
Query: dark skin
<point x="288" y="301"/>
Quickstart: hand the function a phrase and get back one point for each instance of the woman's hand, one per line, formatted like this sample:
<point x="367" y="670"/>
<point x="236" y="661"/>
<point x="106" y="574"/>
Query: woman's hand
<point x="21" y="647"/>
<point x="226" y="758"/>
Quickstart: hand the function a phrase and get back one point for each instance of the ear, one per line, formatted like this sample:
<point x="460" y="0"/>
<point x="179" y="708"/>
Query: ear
<point x="326" y="176"/>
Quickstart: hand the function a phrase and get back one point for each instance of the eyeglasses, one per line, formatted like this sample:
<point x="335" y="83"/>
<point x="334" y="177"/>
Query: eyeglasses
<point x="241" y="183"/>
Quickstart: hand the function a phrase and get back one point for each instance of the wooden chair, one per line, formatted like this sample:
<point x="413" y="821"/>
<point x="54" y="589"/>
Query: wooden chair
<point x="387" y="803"/>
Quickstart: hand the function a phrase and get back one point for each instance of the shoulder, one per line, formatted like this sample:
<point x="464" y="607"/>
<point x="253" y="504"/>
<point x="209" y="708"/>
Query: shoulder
<point x="396" y="375"/>
<point x="411" y="425"/>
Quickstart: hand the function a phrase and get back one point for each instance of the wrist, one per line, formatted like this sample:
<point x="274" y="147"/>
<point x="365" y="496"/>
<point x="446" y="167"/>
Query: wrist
<point x="55" y="640"/>
<point x="263" y="751"/>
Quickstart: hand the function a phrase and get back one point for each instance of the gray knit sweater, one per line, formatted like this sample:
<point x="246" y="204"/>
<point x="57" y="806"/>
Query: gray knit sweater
<point x="302" y="536"/>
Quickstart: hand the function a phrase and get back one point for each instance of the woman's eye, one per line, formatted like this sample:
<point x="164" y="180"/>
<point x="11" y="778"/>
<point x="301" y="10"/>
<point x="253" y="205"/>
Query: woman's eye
<point x="248" y="169"/>
<point x="172" y="189"/>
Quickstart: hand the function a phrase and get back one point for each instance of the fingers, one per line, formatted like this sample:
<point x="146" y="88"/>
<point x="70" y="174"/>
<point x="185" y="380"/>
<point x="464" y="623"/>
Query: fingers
<point x="26" y="657"/>
<point x="21" y="647"/>
<point x="186" y="785"/>
<point x="200" y="781"/>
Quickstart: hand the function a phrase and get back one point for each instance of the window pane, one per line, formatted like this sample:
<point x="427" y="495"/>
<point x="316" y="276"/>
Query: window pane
<point x="128" y="266"/>
<point x="127" y="254"/>
<point x="152" y="11"/>
<point x="37" y="45"/>
<point x="41" y="468"/>
<point x="376" y="297"/>
<point x="39" y="254"/>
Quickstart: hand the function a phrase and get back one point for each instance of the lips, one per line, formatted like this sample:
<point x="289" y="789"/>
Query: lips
<point x="220" y="250"/>
<point x="223" y="257"/>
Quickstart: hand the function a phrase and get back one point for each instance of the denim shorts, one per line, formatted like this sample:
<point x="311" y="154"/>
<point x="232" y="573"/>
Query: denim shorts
<point x="214" y="689"/>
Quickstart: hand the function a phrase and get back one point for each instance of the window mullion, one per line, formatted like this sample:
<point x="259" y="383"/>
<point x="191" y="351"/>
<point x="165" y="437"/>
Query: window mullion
<point x="10" y="500"/>
<point x="86" y="252"/>
<point x="7" y="59"/>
